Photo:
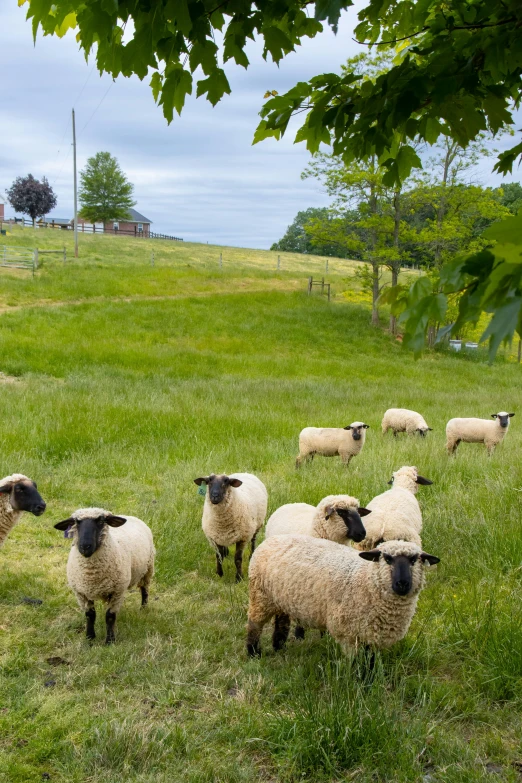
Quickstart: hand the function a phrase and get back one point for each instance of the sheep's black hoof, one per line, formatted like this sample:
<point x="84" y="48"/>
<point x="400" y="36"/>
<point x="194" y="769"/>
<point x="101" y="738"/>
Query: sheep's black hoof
<point x="253" y="650"/>
<point x="299" y="632"/>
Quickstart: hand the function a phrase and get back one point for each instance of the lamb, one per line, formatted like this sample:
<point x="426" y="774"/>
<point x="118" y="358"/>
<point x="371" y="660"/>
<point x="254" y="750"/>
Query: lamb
<point x="110" y="554"/>
<point x="17" y="494"/>
<point x="233" y="513"/>
<point x="403" y="420"/>
<point x="396" y="514"/>
<point x="361" y="598"/>
<point x="347" y="442"/>
<point x="336" y="518"/>
<point x="490" y="433"/>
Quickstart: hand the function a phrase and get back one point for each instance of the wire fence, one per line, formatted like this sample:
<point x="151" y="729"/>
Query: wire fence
<point x="88" y="228"/>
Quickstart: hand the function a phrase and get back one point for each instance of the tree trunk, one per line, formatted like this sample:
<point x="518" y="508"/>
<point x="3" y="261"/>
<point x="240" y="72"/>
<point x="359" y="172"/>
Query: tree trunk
<point x="375" y="293"/>
<point x="431" y="336"/>
<point x="395" y="278"/>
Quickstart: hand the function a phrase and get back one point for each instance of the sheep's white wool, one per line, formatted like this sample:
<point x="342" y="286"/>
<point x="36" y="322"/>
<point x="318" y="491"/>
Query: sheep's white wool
<point x="330" y="441"/>
<point x="404" y="420"/>
<point x="486" y="431"/>
<point x="306" y="520"/>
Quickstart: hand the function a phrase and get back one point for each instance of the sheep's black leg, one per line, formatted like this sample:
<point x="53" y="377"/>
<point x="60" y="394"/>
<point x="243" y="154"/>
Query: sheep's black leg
<point x="144" y="596"/>
<point x="299" y="632"/>
<point x="110" y="621"/>
<point x="281" y="630"/>
<point x="90" y="614"/>
<point x="253" y="545"/>
<point x="238" y="560"/>
<point x="253" y="645"/>
<point x="222" y="552"/>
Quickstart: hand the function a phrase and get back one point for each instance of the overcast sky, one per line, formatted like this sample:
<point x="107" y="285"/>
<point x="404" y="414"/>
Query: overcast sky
<point x="199" y="178"/>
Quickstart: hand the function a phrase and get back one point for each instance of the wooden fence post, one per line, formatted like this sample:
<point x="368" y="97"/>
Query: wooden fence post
<point x="35" y="259"/>
<point x="221" y="260"/>
<point x="322" y="286"/>
<point x="328" y="291"/>
<point x="310" y="281"/>
<point x="279" y="262"/>
<point x="326" y="266"/>
<point x="152" y="257"/>
<point x="64" y="254"/>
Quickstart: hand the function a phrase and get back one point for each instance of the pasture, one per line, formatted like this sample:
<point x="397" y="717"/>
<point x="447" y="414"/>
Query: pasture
<point x="144" y="378"/>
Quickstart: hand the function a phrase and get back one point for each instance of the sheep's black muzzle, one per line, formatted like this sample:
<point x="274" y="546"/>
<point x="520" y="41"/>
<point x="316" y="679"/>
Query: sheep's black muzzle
<point x="86" y="550"/>
<point x="38" y="509"/>
<point x="216" y="499"/>
<point x="354" y="526"/>
<point x="401" y="576"/>
<point x="356" y="435"/>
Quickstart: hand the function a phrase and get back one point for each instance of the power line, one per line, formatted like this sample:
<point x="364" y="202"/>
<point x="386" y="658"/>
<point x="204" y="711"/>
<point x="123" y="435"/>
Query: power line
<point x="96" y="109"/>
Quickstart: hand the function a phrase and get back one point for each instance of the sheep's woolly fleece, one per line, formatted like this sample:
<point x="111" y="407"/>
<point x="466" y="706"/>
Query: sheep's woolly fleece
<point x="240" y="514"/>
<point x="332" y="588"/>
<point x="329" y="441"/>
<point x="124" y="559"/>
<point x="9" y="517"/>
<point x="403" y="420"/>
<point x="395" y="513"/>
<point x="306" y="520"/>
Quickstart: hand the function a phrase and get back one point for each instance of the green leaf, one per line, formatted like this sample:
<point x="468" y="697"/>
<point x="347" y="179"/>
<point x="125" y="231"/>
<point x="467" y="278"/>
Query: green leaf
<point x="277" y="43"/>
<point x="156" y="83"/>
<point x="214" y="87"/>
<point x="176" y="86"/>
<point x="205" y="55"/>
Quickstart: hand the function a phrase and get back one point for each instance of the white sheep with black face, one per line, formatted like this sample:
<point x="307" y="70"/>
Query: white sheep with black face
<point x="347" y="442"/>
<point x="490" y="433"/>
<point x="109" y="555"/>
<point x="17" y="494"/>
<point x="336" y="517"/>
<point x="233" y="513"/>
<point x="396" y="514"/>
<point x="404" y="420"/>
<point x="360" y="598"/>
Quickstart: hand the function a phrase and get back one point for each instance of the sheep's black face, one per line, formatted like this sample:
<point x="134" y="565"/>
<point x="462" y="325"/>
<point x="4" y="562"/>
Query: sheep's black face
<point x="401" y="568"/>
<point x="354" y="526"/>
<point x="356" y="433"/>
<point x="24" y="496"/>
<point x="218" y="486"/>
<point x="90" y="535"/>
<point x="90" y="531"/>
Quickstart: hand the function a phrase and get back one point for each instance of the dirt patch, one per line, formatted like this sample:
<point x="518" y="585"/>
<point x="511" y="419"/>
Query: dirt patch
<point x="8" y="378"/>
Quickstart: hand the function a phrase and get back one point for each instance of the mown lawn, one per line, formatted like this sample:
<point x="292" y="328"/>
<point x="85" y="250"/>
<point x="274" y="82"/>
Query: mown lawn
<point x="121" y="404"/>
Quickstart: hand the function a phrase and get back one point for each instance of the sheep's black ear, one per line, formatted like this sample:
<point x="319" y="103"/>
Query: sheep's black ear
<point x="114" y="521"/>
<point x="510" y="414"/>
<point x="65" y="524"/>
<point x="347" y="428"/>
<point x="424" y="481"/>
<point x="200" y="481"/>
<point x="431" y="559"/>
<point x="329" y="511"/>
<point x="430" y="429"/>
<point x="363" y="512"/>
<point x="390" y="481"/>
<point x="6" y="487"/>
<point x="235" y="482"/>
<point x="366" y="426"/>
<point x="373" y="554"/>
<point x="494" y="415"/>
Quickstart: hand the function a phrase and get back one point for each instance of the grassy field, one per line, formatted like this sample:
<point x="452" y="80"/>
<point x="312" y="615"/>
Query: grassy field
<point x="120" y="398"/>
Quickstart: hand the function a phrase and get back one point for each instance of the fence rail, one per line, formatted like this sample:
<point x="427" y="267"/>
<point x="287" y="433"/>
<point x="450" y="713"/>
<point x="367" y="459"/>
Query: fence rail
<point x="18" y="258"/>
<point x="312" y="282"/>
<point x="88" y="228"/>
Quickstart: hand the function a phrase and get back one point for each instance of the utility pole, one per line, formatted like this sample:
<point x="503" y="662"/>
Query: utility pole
<point x="75" y="189"/>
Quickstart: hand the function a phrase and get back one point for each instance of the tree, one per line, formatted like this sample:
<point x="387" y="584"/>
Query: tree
<point x="29" y="196"/>
<point x="298" y="240"/>
<point x="511" y="196"/>
<point x="105" y="193"/>
<point x="458" y="64"/>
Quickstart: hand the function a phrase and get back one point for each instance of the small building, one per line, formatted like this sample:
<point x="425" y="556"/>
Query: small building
<point x="52" y="222"/>
<point x="2" y="207"/>
<point x="136" y="224"/>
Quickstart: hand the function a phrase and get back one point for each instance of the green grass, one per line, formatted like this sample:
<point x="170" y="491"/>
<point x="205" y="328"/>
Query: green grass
<point x="121" y="404"/>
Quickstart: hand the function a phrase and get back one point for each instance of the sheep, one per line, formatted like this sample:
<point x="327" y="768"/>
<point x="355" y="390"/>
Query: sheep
<point x="17" y="494"/>
<point x="361" y="598"/>
<point x="347" y="442"/>
<point x="490" y="433"/>
<point x="110" y="554"/>
<point x="233" y="513"/>
<point x="403" y="420"/>
<point x="336" y="517"/>
<point x="396" y="513"/>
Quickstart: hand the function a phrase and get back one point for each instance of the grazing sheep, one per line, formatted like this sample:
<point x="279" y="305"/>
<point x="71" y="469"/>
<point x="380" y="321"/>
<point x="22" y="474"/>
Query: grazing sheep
<point x="403" y="420"/>
<point x="234" y="512"/>
<point x="490" y="433"/>
<point x="336" y="518"/>
<point x="110" y="554"/>
<point x="366" y="598"/>
<point x="347" y="442"/>
<point x="17" y="494"/>
<point x="396" y="514"/>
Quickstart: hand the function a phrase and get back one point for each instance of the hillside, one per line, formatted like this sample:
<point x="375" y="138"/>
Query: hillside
<point x="144" y="378"/>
